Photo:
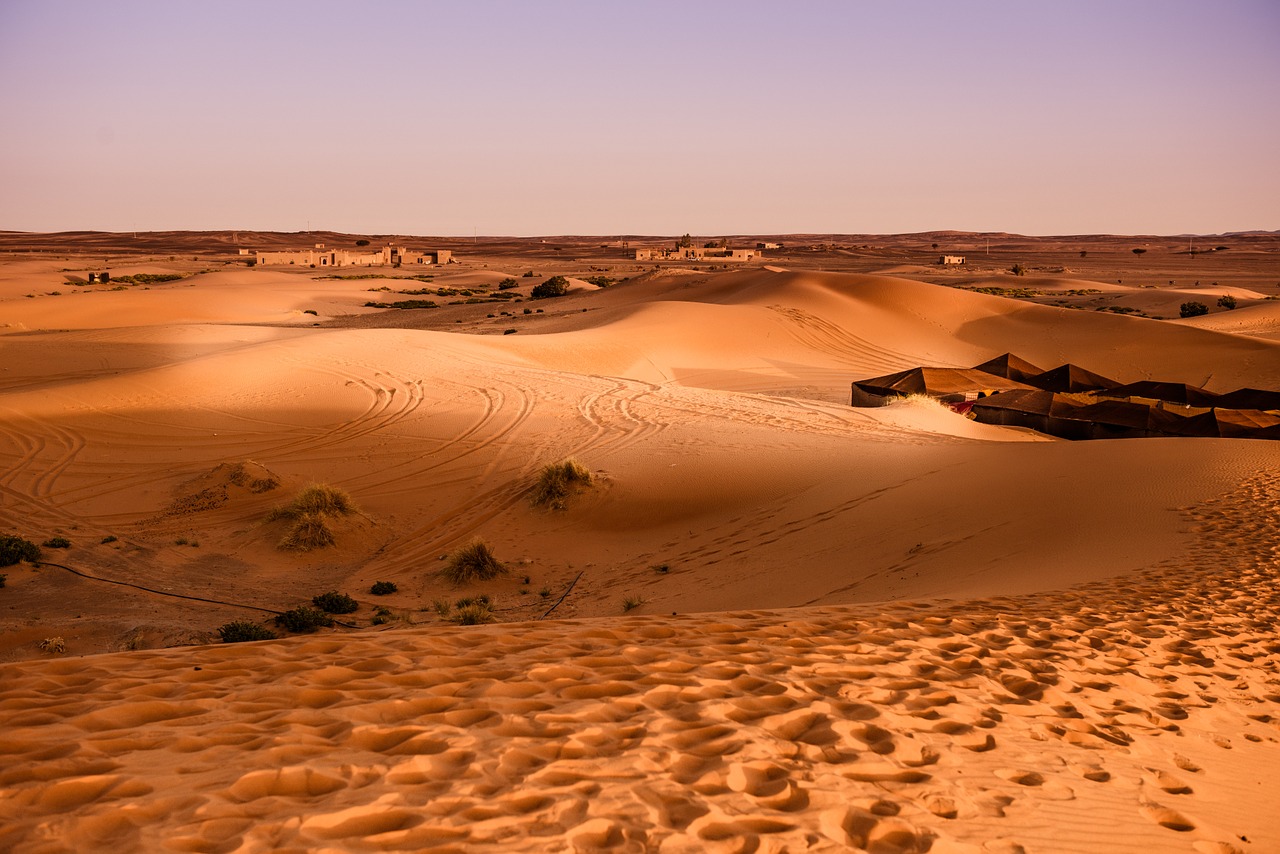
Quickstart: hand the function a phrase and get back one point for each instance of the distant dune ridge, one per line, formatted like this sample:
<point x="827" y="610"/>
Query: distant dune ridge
<point x="774" y="622"/>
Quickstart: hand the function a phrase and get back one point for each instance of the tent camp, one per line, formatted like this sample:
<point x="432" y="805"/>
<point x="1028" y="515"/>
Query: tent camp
<point x="949" y="385"/>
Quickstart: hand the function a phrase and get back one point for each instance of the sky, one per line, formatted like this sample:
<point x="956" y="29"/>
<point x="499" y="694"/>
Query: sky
<point x="608" y="118"/>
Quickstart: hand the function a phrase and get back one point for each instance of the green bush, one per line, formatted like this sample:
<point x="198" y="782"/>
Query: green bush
<point x="473" y="562"/>
<point x="556" y="482"/>
<point x="334" y="602"/>
<point x="383" y="588"/>
<point x="1227" y="301"/>
<point x="244" y="630"/>
<point x="507" y="284"/>
<point x="14" y="549"/>
<point x="1193" y="309"/>
<point x="303" y="620"/>
<point x="57" y="543"/>
<point x="556" y="286"/>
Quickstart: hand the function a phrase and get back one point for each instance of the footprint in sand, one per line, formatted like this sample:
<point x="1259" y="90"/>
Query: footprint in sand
<point x="1186" y="764"/>
<point x="1093" y="773"/>
<point x="1166" y="817"/>
<point x="1166" y="782"/>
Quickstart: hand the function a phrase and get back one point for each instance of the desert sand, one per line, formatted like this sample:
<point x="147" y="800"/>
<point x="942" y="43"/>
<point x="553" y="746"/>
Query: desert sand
<point x="772" y="623"/>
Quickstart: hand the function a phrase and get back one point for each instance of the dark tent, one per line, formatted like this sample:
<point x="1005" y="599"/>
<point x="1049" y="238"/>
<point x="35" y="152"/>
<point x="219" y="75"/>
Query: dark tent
<point x="1010" y="367"/>
<point x="1187" y="395"/>
<point x="1244" y="423"/>
<point x="1169" y="423"/>
<point x="945" y="384"/>
<point x="1250" y="398"/>
<point x="1115" y="419"/>
<point x="1071" y="378"/>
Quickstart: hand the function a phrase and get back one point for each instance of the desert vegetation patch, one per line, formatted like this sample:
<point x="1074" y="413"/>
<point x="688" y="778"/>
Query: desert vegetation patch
<point x="557" y="482"/>
<point x="310" y="516"/>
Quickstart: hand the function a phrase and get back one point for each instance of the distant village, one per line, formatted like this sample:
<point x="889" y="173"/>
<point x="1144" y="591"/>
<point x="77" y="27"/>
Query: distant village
<point x="684" y="250"/>
<point x="388" y="256"/>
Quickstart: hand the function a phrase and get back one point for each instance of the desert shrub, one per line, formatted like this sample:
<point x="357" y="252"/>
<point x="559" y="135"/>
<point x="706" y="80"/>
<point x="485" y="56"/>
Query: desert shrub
<point x="1139" y="251"/>
<point x="474" y="614"/>
<point x="309" y="531"/>
<point x="383" y="588"/>
<point x="599" y="281"/>
<point x="545" y="593"/>
<point x="473" y="562"/>
<point x="1018" y="270"/>
<point x="239" y="631"/>
<point x="556" y="482"/>
<point x="630" y="603"/>
<point x="334" y="602"/>
<point x="508" y="332"/>
<point x="528" y="275"/>
<point x="57" y="543"/>
<point x="3" y="578"/>
<point x="319" y="498"/>
<point x="382" y="616"/>
<point x="14" y="549"/>
<point x="507" y="284"/>
<point x="362" y="242"/>
<point x="442" y="607"/>
<point x="1193" y="309"/>
<point x="109" y="538"/>
<point x="312" y="312"/>
<point x="147" y="278"/>
<point x="556" y="286"/>
<point x="57" y="646"/>
<point x="303" y="620"/>
<point x="1227" y="301"/>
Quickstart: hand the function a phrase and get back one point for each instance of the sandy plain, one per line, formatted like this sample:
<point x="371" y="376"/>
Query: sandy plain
<point x="887" y="630"/>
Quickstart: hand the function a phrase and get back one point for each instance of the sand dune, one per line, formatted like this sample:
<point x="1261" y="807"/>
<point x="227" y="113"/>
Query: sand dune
<point x="1091" y="719"/>
<point x="888" y="630"/>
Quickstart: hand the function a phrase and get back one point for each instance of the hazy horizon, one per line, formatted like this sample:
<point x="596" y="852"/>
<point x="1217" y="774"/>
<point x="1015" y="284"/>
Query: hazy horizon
<point x="593" y="119"/>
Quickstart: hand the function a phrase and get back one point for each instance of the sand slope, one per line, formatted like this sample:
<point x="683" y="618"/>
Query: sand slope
<point x="1134" y="714"/>
<point x="995" y="641"/>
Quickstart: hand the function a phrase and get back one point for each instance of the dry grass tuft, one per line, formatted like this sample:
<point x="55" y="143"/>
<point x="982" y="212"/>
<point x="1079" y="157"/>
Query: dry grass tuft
<point x="309" y="531"/>
<point x="473" y="562"/>
<point x="56" y="646"/>
<point x="556" y="482"/>
<point x="474" y="615"/>
<point x="311" y="511"/>
<point x="322" y="498"/>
